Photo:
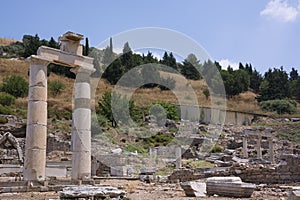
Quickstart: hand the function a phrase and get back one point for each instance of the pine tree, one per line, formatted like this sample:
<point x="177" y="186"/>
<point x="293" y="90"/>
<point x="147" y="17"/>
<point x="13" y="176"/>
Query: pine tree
<point x="86" y="49"/>
<point x="294" y="74"/>
<point x="53" y="44"/>
<point x="111" y="45"/>
<point x="190" y="67"/>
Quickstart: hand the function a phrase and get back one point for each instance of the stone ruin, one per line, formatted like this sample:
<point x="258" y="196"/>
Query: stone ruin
<point x="70" y="55"/>
<point x="10" y="149"/>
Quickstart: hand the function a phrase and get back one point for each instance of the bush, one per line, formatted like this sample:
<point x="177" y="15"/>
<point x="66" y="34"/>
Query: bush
<point x="7" y="99"/>
<point x="15" y="85"/>
<point x="171" y="110"/>
<point x="56" y="87"/>
<point x="3" y="120"/>
<point x="5" y="110"/>
<point x="217" y="148"/>
<point x="160" y="139"/>
<point x="133" y="148"/>
<point x="280" y="106"/>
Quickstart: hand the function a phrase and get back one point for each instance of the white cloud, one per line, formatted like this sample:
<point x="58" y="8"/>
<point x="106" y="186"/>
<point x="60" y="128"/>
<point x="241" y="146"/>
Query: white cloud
<point x="280" y="10"/>
<point x="225" y="63"/>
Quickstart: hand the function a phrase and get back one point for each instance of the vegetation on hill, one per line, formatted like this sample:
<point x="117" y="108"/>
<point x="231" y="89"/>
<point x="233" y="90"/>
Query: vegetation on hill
<point x="276" y="84"/>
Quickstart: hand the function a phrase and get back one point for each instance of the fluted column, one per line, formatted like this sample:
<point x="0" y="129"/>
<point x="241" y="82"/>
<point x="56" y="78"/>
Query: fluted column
<point x="81" y="130"/>
<point x="36" y="131"/>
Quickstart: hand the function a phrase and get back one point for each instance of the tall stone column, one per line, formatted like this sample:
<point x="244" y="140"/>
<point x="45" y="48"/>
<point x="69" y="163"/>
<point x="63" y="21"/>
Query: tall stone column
<point x="178" y="157"/>
<point x="36" y="131"/>
<point x="258" y="147"/>
<point x="81" y="130"/>
<point x="245" y="147"/>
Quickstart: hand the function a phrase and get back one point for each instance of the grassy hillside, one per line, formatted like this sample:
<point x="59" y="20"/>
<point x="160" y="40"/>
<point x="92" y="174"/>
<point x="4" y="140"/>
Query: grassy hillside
<point x="6" y="42"/>
<point x="143" y="97"/>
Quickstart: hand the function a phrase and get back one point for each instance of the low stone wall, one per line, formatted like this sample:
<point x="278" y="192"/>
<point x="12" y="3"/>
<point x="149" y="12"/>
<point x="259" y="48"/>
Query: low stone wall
<point x="286" y="172"/>
<point x="184" y="175"/>
<point x="56" y="144"/>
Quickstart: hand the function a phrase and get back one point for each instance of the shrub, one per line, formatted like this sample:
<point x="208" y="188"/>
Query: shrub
<point x="171" y="110"/>
<point x="15" y="85"/>
<point x="132" y="148"/>
<point x="160" y="139"/>
<point x="3" y="120"/>
<point x="216" y="148"/>
<point x="280" y="106"/>
<point x="5" y="110"/>
<point x="206" y="93"/>
<point x="56" y="87"/>
<point x="7" y="99"/>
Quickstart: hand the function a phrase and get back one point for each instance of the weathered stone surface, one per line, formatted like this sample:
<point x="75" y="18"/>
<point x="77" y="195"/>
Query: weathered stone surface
<point x="294" y="195"/>
<point x="194" y="189"/>
<point x="88" y="191"/>
<point x="229" y="187"/>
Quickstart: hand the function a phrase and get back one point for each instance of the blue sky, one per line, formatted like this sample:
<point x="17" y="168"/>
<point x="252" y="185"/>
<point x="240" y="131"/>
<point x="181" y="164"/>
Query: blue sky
<point x="264" y="33"/>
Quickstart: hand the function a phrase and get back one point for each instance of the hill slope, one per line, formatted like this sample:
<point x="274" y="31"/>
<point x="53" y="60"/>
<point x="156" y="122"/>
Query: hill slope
<point x="142" y="96"/>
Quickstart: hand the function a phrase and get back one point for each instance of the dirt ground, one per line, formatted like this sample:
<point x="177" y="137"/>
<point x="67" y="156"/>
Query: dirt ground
<point x="137" y="190"/>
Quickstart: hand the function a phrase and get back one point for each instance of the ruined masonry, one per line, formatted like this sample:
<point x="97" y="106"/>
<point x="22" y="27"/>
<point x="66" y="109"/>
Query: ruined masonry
<point x="69" y="55"/>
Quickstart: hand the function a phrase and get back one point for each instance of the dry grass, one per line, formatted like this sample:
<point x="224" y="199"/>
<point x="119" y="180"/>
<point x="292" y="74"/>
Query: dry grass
<point x="9" y="67"/>
<point x="183" y="92"/>
<point x="6" y="41"/>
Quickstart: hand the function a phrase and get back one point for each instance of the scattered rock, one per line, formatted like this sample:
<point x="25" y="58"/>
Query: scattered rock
<point x="229" y="187"/>
<point x="194" y="189"/>
<point x="117" y="151"/>
<point x="294" y="195"/>
<point x="88" y="191"/>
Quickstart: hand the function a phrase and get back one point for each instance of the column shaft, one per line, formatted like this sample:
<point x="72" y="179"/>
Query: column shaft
<point x="178" y="157"/>
<point x="36" y="131"/>
<point x="245" y="147"/>
<point x="258" y="148"/>
<point x="81" y="130"/>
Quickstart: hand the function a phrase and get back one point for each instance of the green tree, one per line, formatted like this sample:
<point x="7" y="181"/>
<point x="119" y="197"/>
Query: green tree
<point x="255" y="80"/>
<point x="127" y="57"/>
<point x="53" y="44"/>
<point x="107" y="109"/>
<point x="31" y="45"/>
<point x="169" y="60"/>
<point x="190" y="67"/>
<point x="7" y="99"/>
<point x="86" y="49"/>
<point x="297" y="91"/>
<point x="171" y="110"/>
<point x="114" y="71"/>
<point x="294" y="75"/>
<point x="15" y="85"/>
<point x="149" y="58"/>
<point x="56" y="87"/>
<point x="275" y="85"/>
<point x="150" y="74"/>
<point x="206" y="93"/>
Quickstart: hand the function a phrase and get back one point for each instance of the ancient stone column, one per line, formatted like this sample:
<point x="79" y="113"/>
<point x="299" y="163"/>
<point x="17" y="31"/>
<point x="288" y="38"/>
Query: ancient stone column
<point x="81" y="130"/>
<point x="245" y="147"/>
<point x="271" y="150"/>
<point x="178" y="157"/>
<point x="258" y="147"/>
<point x="36" y="131"/>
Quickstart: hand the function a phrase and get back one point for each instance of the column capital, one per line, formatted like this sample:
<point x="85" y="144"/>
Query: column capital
<point x="37" y="60"/>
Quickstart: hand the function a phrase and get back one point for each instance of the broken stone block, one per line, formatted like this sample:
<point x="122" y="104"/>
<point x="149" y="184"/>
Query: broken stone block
<point x="229" y="187"/>
<point x="194" y="189"/>
<point x="294" y="195"/>
<point x="87" y="191"/>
